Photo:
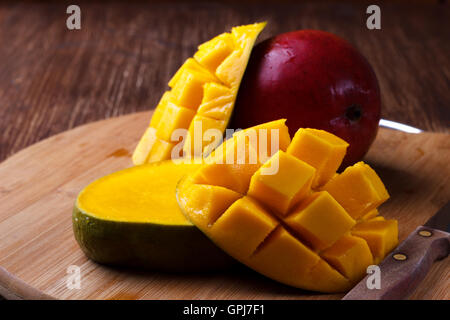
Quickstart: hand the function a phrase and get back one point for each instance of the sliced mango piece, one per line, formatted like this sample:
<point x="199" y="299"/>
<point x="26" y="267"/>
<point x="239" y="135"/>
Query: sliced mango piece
<point x="358" y="189"/>
<point x="160" y="149"/>
<point x="191" y="64"/>
<point x="236" y="175"/>
<point x="279" y="225"/>
<point x="381" y="236"/>
<point x="207" y="203"/>
<point x="284" y="258"/>
<point x="174" y="117"/>
<point x="281" y="182"/>
<point x="196" y="141"/>
<point x="324" y="278"/>
<point x="159" y="110"/>
<point x="309" y="220"/>
<point x="188" y="90"/>
<point x="144" y="146"/>
<point x="350" y="256"/>
<point x="320" y="149"/>
<point x="211" y="54"/>
<point x="243" y="227"/>
<point x="217" y="102"/>
<point x="208" y="85"/>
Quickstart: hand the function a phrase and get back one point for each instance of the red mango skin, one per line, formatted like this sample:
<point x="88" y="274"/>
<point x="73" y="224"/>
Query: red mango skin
<point x="314" y="79"/>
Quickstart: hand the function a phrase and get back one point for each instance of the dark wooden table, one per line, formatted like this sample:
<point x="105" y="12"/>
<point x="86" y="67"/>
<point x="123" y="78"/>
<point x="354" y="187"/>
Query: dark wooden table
<point x="53" y="79"/>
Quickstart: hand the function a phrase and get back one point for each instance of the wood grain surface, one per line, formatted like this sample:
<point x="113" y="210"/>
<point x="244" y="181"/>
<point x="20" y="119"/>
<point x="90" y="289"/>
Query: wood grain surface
<point x="53" y="79"/>
<point x="36" y="198"/>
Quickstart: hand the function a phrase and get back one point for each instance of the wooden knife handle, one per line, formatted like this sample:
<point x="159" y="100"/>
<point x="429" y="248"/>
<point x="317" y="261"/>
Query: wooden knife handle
<point x="403" y="269"/>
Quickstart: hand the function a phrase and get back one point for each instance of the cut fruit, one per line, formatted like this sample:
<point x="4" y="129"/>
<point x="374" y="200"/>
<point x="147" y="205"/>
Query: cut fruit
<point x="358" y="189"/>
<point x="132" y="218"/>
<point x="275" y="223"/>
<point x="203" y="90"/>
<point x="381" y="236"/>
<point x="350" y="256"/>
<point x="320" y="220"/>
<point x="320" y="149"/>
<point x="289" y="181"/>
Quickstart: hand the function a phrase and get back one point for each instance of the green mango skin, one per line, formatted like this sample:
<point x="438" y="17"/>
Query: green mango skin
<point x="147" y="245"/>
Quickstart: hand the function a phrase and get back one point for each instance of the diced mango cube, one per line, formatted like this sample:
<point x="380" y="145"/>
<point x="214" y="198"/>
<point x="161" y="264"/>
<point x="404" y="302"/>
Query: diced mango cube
<point x="243" y="227"/>
<point x="217" y="102"/>
<point x="320" y="220"/>
<point x="350" y="256"/>
<point x="281" y="182"/>
<point x="273" y="133"/>
<point x="381" y="236"/>
<point x="320" y="149"/>
<point x="358" y="189"/>
<point x="188" y="90"/>
<point x="231" y="69"/>
<point x="161" y="150"/>
<point x="174" y="117"/>
<point x="325" y="278"/>
<point x="190" y="64"/>
<point x="159" y="110"/>
<point x="144" y="146"/>
<point x="197" y="142"/>
<point x="211" y="54"/>
<point x="206" y="203"/>
<point x="214" y="91"/>
<point x="284" y="258"/>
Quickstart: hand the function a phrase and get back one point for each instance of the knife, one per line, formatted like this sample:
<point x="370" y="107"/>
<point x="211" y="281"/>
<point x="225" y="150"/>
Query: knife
<point x="403" y="269"/>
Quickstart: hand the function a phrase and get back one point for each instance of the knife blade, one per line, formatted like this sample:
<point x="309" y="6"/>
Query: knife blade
<point x="404" y="268"/>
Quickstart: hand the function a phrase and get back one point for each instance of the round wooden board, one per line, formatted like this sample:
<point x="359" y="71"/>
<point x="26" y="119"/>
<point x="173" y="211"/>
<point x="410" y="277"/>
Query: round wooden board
<point x="39" y="185"/>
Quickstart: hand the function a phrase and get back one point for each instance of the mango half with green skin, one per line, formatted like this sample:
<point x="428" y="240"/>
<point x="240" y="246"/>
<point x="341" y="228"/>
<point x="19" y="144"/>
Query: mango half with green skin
<point x="131" y="218"/>
<point x="303" y="224"/>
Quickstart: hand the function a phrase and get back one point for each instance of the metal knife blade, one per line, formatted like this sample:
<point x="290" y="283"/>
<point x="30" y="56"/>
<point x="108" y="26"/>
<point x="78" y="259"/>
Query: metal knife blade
<point x="441" y="219"/>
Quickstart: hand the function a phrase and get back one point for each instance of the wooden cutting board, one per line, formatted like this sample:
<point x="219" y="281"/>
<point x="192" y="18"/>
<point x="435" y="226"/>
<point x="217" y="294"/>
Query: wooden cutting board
<point x="39" y="185"/>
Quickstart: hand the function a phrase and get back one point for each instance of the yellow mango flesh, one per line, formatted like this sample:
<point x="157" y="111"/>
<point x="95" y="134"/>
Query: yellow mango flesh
<point x="280" y="191"/>
<point x="311" y="240"/>
<point x="203" y="90"/>
<point x="381" y="236"/>
<point x="139" y="194"/>
<point x="321" y="221"/>
<point x="358" y="189"/>
<point x="320" y="149"/>
<point x="350" y="256"/>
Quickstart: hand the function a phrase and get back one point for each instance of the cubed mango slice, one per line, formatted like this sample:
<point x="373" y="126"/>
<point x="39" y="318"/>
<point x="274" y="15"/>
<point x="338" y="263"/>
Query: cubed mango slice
<point x="279" y="225"/>
<point x="190" y="64"/>
<point x="188" y="90"/>
<point x="207" y="203"/>
<point x="350" y="256"/>
<point x="358" y="189"/>
<point x="281" y="182"/>
<point x="144" y="146"/>
<point x="211" y="54"/>
<point x="208" y="85"/>
<point x="160" y="149"/>
<point x="159" y="110"/>
<point x="381" y="236"/>
<point x="320" y="220"/>
<point x="243" y="226"/>
<point x="196" y="141"/>
<point x="174" y="117"/>
<point x="320" y="149"/>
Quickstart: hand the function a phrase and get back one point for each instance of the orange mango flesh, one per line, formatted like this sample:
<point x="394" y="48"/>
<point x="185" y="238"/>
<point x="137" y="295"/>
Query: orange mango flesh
<point x="285" y="228"/>
<point x="203" y="90"/>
